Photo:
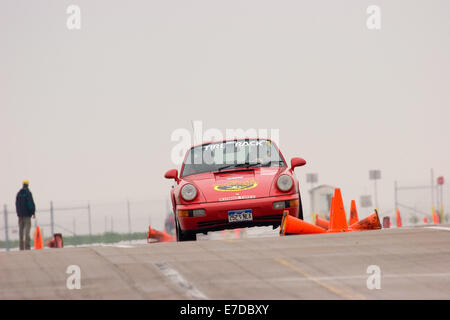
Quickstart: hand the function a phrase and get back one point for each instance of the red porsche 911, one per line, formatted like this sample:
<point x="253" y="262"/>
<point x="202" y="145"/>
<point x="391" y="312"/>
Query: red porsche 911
<point x="233" y="184"/>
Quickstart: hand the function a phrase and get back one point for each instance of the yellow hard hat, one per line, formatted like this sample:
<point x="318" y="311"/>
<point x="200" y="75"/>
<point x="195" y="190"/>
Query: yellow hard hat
<point x="26" y="182"/>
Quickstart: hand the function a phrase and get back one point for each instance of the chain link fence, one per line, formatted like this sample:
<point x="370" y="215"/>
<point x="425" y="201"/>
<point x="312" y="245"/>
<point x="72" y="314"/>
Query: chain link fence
<point x="88" y="219"/>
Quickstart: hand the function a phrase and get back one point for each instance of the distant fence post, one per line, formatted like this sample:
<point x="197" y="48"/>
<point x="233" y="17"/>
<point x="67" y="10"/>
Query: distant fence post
<point x="74" y="227"/>
<point x="129" y="220"/>
<point x="89" y="217"/>
<point x="6" y="227"/>
<point x="51" y="219"/>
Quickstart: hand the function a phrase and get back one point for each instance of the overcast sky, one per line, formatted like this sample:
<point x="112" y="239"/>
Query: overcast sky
<point x="88" y="114"/>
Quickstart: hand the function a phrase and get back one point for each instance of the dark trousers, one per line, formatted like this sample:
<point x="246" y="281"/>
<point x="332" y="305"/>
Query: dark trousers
<point x="24" y="232"/>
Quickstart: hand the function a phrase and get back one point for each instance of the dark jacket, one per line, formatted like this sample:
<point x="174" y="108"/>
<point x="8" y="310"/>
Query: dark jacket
<point x="24" y="203"/>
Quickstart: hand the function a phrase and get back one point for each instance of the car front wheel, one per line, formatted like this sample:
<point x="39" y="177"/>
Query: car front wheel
<point x="300" y="207"/>
<point x="182" y="235"/>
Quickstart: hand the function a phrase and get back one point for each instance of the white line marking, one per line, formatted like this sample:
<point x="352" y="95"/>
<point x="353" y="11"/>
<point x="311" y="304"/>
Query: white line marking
<point x="334" y="278"/>
<point x="116" y="245"/>
<point x="439" y="228"/>
<point x="178" y="279"/>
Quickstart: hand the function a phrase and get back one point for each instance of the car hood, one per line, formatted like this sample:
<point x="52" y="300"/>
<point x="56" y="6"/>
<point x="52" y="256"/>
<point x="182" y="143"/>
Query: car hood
<point x="236" y="184"/>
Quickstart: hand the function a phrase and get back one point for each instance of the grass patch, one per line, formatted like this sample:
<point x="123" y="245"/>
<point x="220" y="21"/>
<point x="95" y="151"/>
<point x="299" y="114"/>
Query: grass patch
<point x="107" y="237"/>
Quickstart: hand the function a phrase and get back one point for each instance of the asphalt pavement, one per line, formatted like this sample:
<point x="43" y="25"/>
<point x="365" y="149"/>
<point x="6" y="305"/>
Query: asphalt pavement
<point x="412" y="263"/>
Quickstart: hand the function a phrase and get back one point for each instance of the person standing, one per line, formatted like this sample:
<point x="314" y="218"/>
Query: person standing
<point x="25" y="209"/>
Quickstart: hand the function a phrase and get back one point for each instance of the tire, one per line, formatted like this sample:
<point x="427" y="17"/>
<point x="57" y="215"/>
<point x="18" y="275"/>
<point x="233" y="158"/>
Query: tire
<point x="300" y="207"/>
<point x="183" y="236"/>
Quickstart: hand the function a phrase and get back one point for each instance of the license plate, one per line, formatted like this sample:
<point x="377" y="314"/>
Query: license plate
<point x="240" y="215"/>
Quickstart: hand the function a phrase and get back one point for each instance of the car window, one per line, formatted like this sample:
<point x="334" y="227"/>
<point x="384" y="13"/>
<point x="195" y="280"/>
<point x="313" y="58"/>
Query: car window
<point x="231" y="155"/>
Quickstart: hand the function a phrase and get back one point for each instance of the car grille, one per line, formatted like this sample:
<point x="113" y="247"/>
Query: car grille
<point x="218" y="222"/>
<point x="272" y="217"/>
<point x="211" y="223"/>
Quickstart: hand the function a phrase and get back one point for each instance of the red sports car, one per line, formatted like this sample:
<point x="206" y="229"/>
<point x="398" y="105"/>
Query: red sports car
<point x="233" y="184"/>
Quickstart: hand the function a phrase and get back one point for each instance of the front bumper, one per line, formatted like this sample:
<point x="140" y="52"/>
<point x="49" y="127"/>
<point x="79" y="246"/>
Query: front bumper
<point x="216" y="214"/>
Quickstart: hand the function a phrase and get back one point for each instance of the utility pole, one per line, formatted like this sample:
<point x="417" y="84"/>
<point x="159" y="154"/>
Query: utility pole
<point x="312" y="178"/>
<point x="5" y="208"/>
<point x="375" y="175"/>
<point x="440" y="185"/>
<point x="52" y="224"/>
<point x="129" y="220"/>
<point x="395" y="196"/>
<point x="442" y="204"/>
<point x="432" y="188"/>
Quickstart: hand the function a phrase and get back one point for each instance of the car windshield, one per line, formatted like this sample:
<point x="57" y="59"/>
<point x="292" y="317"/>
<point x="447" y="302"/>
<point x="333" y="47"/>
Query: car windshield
<point x="227" y="155"/>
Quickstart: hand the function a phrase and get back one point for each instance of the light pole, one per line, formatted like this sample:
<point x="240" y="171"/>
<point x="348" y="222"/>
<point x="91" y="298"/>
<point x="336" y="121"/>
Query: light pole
<point x="52" y="222"/>
<point x="440" y="183"/>
<point x="375" y="175"/>
<point x="312" y="178"/>
<point x="5" y="210"/>
<point x="365" y="201"/>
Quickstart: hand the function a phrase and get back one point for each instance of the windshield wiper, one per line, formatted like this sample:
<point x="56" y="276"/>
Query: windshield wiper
<point x="248" y="165"/>
<point x="239" y="165"/>
<point x="225" y="167"/>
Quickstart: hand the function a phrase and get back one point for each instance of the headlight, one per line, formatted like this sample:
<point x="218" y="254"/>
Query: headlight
<point x="188" y="192"/>
<point x="284" y="182"/>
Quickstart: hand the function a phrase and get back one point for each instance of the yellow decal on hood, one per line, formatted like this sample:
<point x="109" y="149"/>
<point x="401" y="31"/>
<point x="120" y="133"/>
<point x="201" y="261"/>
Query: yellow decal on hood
<point x="236" y="185"/>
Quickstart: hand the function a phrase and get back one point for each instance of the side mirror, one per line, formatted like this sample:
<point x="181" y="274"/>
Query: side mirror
<point x="172" y="174"/>
<point x="297" y="162"/>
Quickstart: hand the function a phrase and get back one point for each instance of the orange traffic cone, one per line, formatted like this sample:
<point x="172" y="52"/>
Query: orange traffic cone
<point x="353" y="213"/>
<point x="322" y="222"/>
<point x="425" y="220"/>
<point x="38" y="241"/>
<point x="435" y="217"/>
<point x="331" y="205"/>
<point x="292" y="225"/>
<point x="338" y="221"/>
<point x="165" y="237"/>
<point x="158" y="236"/>
<point x="399" y="219"/>
<point x="372" y="222"/>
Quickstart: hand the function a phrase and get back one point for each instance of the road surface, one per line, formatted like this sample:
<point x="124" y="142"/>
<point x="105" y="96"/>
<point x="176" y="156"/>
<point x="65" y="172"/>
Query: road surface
<point x="414" y="264"/>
